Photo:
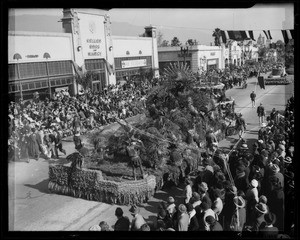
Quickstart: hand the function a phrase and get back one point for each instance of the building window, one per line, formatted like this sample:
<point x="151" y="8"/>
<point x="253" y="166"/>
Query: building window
<point x="94" y="64"/>
<point x="31" y="70"/>
<point x="60" y="68"/>
<point x="12" y="72"/>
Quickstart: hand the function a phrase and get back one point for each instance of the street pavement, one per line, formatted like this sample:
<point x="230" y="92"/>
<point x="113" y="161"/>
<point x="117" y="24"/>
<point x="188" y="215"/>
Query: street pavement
<point x="33" y="208"/>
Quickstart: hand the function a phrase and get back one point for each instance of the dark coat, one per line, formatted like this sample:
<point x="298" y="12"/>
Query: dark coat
<point x="122" y="224"/>
<point x="216" y="227"/>
<point x="207" y="199"/>
<point x="194" y="225"/>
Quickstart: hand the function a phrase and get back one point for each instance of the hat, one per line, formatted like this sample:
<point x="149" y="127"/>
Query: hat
<point x="216" y="168"/>
<point x="263" y="125"/>
<point x="270" y="218"/>
<point x="171" y="200"/>
<point x="289" y="175"/>
<point x="264" y="153"/>
<point x="182" y="208"/>
<point x="189" y="207"/>
<point x="260" y="141"/>
<point x="261" y="207"/>
<point x="162" y="214"/>
<point x="274" y="168"/>
<point x="254" y="183"/>
<point x="209" y="168"/>
<point x="263" y="199"/>
<point x="204" y="206"/>
<point x="210" y="219"/>
<point x="134" y="209"/>
<point x="239" y="201"/>
<point x="77" y="134"/>
<point x="196" y="196"/>
<point x="244" y="146"/>
<point x="95" y="228"/>
<point x="283" y="142"/>
<point x="287" y="160"/>
<point x="281" y="147"/>
<point x="204" y="186"/>
<point x="233" y="189"/>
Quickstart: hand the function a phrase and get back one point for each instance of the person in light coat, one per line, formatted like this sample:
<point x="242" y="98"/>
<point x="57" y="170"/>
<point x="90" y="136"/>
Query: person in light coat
<point x="183" y="218"/>
<point x="138" y="220"/>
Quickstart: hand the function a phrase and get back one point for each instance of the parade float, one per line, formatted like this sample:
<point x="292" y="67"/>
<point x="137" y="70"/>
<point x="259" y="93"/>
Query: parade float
<point x="171" y="137"/>
<point x="278" y="76"/>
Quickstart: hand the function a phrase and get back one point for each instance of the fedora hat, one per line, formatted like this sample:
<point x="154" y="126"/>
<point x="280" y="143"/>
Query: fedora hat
<point x="254" y="183"/>
<point x="263" y="125"/>
<point x="261" y="207"/>
<point x="134" y="209"/>
<point x="204" y="186"/>
<point x="171" y="200"/>
<point x="275" y="168"/>
<point x="263" y="199"/>
<point x="210" y="219"/>
<point x="270" y="218"/>
<point x="233" y="189"/>
<point x="244" y="146"/>
<point x="239" y="201"/>
<point x="196" y="196"/>
<point x="182" y="208"/>
<point x="287" y="160"/>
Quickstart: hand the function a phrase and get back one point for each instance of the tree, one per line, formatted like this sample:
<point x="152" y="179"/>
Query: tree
<point x="165" y="43"/>
<point x="191" y="42"/>
<point x="217" y="34"/>
<point x="175" y="42"/>
<point x="262" y="52"/>
<point x="159" y="38"/>
<point x="86" y="79"/>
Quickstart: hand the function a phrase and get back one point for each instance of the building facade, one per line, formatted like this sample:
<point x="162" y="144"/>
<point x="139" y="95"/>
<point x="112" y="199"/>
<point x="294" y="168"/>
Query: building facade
<point x="48" y="62"/>
<point x="198" y="57"/>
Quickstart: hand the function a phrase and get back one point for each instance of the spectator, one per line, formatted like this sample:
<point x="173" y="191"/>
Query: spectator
<point x="213" y="224"/>
<point x="123" y="223"/>
<point x="252" y="97"/>
<point x="193" y="221"/>
<point x="95" y="228"/>
<point x="239" y="215"/>
<point x="137" y="220"/>
<point x="261" y="113"/>
<point x="188" y="190"/>
<point x="145" y="228"/>
<point x="269" y="231"/>
<point x="206" y="211"/>
<point x="183" y="218"/>
<point x="104" y="226"/>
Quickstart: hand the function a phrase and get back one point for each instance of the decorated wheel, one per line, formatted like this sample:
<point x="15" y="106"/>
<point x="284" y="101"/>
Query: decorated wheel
<point x="230" y="131"/>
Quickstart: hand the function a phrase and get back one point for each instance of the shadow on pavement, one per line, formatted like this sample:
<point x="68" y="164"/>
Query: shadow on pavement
<point x="41" y="186"/>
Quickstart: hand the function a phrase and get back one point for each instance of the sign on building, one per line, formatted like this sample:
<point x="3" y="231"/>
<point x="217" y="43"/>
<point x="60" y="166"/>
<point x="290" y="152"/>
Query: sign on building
<point x="92" y="36"/>
<point x="134" y="63"/>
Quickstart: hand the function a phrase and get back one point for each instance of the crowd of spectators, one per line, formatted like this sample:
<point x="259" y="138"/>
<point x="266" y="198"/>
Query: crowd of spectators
<point x="249" y="192"/>
<point x="36" y="127"/>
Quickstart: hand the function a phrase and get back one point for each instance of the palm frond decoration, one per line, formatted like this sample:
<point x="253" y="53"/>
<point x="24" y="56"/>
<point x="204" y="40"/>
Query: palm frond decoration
<point x="77" y="160"/>
<point x="179" y="72"/>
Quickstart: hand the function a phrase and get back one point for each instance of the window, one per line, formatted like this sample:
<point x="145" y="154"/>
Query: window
<point x="59" y="68"/>
<point x="12" y="72"/>
<point x="94" y="64"/>
<point x="31" y="70"/>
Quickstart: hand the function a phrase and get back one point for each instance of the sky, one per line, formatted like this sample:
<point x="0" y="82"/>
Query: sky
<point x="184" y="23"/>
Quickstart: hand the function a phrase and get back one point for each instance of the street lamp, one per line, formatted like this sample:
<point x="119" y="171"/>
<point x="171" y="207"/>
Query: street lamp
<point x="184" y="52"/>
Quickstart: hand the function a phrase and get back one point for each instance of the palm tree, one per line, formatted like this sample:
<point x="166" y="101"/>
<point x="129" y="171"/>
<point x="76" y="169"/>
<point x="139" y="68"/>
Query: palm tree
<point x="217" y="34"/>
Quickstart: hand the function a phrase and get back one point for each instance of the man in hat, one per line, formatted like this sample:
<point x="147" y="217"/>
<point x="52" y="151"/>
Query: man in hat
<point x="133" y="149"/>
<point x="269" y="231"/>
<point x="203" y="192"/>
<point x="171" y="209"/>
<point x="188" y="190"/>
<point x="238" y="217"/>
<point x="252" y="97"/>
<point x="240" y="124"/>
<point x="193" y="221"/>
<point x="123" y="223"/>
<point x="206" y="211"/>
<point x="77" y="141"/>
<point x="211" y="140"/>
<point x="58" y="143"/>
<point x="183" y="218"/>
<point x="259" y="217"/>
<point x="217" y="205"/>
<point x="138" y="220"/>
<point x="214" y="225"/>
<point x="261" y="113"/>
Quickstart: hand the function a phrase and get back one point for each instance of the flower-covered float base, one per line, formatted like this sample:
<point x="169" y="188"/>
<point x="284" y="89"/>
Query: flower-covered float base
<point x="90" y="184"/>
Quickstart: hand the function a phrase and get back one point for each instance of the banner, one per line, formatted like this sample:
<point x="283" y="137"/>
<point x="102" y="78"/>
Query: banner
<point x="268" y="34"/>
<point x="261" y="82"/>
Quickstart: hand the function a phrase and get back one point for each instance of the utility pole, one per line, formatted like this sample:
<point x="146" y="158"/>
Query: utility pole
<point x="184" y="52"/>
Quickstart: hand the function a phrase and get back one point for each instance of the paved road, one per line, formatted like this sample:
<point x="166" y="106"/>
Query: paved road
<point x="33" y="208"/>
